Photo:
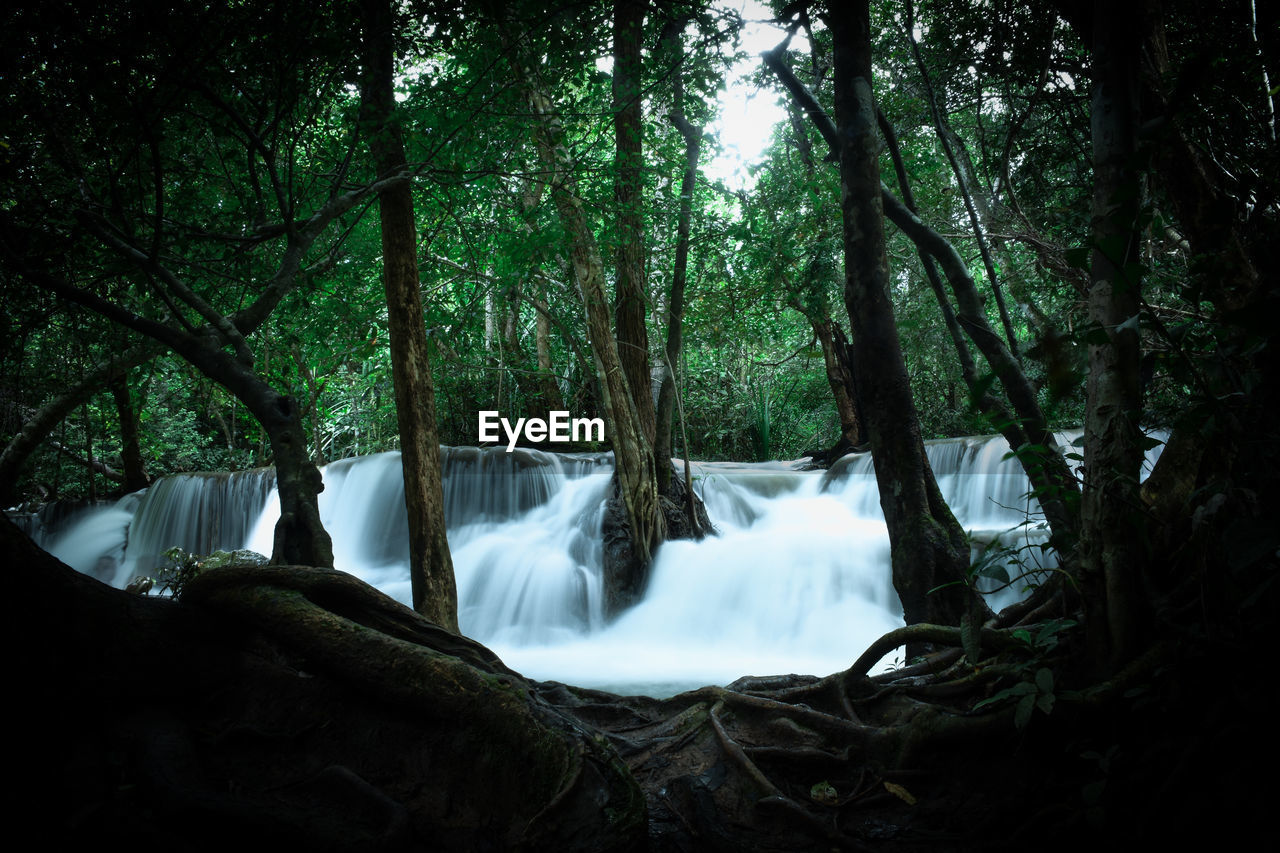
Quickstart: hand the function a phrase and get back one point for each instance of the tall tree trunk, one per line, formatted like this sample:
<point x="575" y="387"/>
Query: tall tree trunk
<point x="965" y="179"/>
<point x="692" y="137"/>
<point x="631" y="302"/>
<point x="548" y="391"/>
<point x="1112" y="552"/>
<point x="135" y="472"/>
<point x="1048" y="471"/>
<point x="300" y="537"/>
<point x="431" y="567"/>
<point x="928" y="545"/>
<point x="632" y="448"/>
<point x="836" y="355"/>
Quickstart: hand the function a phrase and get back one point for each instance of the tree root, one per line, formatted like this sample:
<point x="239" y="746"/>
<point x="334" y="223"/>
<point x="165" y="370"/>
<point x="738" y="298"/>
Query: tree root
<point x="774" y="797"/>
<point x="310" y="667"/>
<point x="302" y="705"/>
<point x="923" y="633"/>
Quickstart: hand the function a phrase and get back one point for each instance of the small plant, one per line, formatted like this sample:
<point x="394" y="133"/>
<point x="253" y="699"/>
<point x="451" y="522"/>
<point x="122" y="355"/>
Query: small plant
<point x="989" y="572"/>
<point x="181" y="568"/>
<point x="1035" y="692"/>
<point x="1046" y="638"/>
<point x="1036" y="689"/>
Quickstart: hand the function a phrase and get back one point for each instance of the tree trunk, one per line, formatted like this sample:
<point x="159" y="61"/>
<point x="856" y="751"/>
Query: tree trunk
<point x="402" y="736"/>
<point x="548" y="391"/>
<point x="300" y="537"/>
<point x="965" y="179"/>
<point x="1025" y="428"/>
<point x="928" y="545"/>
<point x="667" y="391"/>
<point x="836" y="356"/>
<point x="630" y="298"/>
<point x="636" y="478"/>
<point x="431" y="567"/>
<point x="1112" y="551"/>
<point x="135" y="472"/>
<point x="1048" y="471"/>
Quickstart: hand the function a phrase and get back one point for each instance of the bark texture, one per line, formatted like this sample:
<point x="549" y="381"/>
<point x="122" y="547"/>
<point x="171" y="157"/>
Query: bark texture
<point x="435" y="592"/>
<point x="631" y="293"/>
<point x="301" y="709"/>
<point x="1112" y="551"/>
<point x="637" y="482"/>
<point x="928" y="545"/>
<point x="837" y="356"/>
<point x="135" y="472"/>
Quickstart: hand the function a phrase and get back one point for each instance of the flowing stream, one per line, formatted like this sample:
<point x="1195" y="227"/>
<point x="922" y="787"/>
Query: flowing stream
<point x="797" y="581"/>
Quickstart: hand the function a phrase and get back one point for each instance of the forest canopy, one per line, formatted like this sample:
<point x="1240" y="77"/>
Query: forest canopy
<point x="180" y="136"/>
<point x="186" y="140"/>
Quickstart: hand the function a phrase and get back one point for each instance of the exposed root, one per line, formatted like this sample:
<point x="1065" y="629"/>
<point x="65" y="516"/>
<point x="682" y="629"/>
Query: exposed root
<point x="925" y="633"/>
<point x="735" y="752"/>
<point x="774" y="797"/>
<point x="270" y="664"/>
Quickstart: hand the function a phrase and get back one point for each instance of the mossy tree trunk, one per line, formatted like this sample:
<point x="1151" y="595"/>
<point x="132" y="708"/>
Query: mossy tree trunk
<point x="1113" y="556"/>
<point x="135" y="471"/>
<point x="434" y="589"/>
<point x="928" y="545"/>
<point x="300" y="707"/>
<point x="631" y="303"/>
<point x="636" y="476"/>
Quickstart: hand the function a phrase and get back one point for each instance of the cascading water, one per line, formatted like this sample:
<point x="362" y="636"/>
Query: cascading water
<point x="196" y="512"/>
<point x="199" y="513"/>
<point x="797" y="580"/>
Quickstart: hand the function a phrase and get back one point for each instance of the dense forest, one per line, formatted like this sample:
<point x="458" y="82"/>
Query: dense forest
<point x="276" y="234"/>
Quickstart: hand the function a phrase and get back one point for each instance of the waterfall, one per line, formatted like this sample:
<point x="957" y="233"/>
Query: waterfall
<point x="198" y="512"/>
<point x="797" y="581"/>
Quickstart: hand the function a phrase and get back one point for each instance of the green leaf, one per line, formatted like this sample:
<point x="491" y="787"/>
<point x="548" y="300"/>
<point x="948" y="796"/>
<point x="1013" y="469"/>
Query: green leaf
<point x="994" y="571"/>
<point x="1044" y="680"/>
<point x="1022" y="715"/>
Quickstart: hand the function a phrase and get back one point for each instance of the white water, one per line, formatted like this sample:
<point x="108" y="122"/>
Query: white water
<point x="797" y="581"/>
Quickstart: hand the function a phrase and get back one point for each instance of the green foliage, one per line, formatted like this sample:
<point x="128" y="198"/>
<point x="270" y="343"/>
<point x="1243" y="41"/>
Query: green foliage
<point x="181" y="568"/>
<point x="251" y="130"/>
<point x="1035" y="692"/>
<point x="1036" y="688"/>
